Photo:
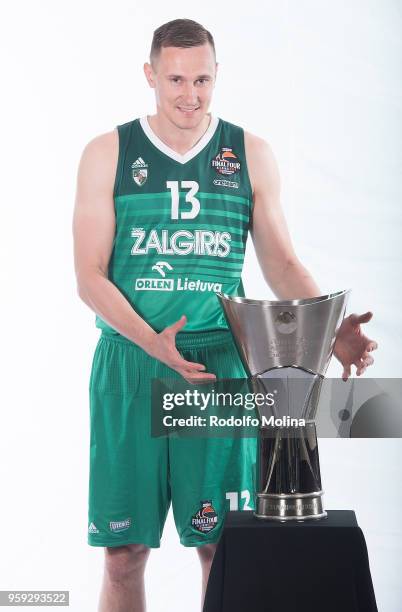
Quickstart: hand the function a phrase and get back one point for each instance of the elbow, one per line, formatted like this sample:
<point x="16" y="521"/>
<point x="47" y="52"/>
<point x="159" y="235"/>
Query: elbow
<point x="82" y="281"/>
<point x="287" y="266"/>
<point x="87" y="281"/>
<point x="277" y="275"/>
<point x="81" y="291"/>
<point x="291" y="261"/>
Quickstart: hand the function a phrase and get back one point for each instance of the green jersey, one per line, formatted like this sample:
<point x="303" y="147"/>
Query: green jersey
<point x="181" y="225"/>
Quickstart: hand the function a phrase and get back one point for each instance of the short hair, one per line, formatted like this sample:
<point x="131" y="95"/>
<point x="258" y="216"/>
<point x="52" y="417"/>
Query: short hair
<point x="180" y="33"/>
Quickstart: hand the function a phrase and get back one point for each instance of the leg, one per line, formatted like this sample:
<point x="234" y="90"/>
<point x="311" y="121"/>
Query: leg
<point x="206" y="554"/>
<point x="123" y="580"/>
<point x="210" y="475"/>
<point x="127" y="465"/>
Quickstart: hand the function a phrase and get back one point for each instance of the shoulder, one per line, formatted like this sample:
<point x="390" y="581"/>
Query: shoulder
<point x="102" y="146"/>
<point x="260" y="159"/>
<point x="99" y="157"/>
<point x="256" y="146"/>
<point x="261" y="163"/>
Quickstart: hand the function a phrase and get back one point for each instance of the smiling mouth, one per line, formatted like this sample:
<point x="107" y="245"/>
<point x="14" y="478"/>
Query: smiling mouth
<point x="184" y="109"/>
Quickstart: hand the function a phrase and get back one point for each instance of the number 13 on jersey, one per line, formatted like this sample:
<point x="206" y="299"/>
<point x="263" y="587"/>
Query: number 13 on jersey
<point x="193" y="187"/>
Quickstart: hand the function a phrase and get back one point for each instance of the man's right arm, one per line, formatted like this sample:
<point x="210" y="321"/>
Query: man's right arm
<point x="94" y="228"/>
<point x="94" y="225"/>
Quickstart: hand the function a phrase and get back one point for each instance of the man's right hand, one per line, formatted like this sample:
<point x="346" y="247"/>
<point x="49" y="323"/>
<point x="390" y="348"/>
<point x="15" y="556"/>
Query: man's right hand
<point x="164" y="348"/>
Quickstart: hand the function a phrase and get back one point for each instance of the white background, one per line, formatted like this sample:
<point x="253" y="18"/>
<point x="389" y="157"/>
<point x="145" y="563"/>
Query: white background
<point x="321" y="82"/>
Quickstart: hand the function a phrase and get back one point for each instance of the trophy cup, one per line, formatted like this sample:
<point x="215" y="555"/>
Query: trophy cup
<point x="287" y="346"/>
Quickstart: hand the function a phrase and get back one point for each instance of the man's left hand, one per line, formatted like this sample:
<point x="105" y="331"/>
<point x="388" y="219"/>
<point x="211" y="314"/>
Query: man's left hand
<point x="352" y="346"/>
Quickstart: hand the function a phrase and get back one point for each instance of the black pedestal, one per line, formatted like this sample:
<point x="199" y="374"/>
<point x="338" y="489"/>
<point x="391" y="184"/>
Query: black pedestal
<point x="313" y="566"/>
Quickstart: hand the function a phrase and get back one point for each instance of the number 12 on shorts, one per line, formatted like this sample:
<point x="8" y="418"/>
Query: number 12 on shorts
<point x="233" y="497"/>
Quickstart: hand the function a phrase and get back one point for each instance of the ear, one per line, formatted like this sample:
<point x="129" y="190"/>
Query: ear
<point x="149" y="74"/>
<point x="216" y="70"/>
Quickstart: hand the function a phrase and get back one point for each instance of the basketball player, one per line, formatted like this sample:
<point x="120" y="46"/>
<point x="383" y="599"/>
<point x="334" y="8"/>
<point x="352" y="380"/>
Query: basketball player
<point x="164" y="204"/>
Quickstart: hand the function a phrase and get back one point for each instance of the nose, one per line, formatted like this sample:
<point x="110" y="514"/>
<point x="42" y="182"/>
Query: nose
<point x="189" y="93"/>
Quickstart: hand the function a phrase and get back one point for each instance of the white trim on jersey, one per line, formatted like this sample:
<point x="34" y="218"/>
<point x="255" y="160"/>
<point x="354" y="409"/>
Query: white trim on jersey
<point x="182" y="159"/>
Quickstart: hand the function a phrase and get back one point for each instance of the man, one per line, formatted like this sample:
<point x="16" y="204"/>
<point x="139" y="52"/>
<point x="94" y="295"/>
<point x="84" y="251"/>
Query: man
<point x="164" y="204"/>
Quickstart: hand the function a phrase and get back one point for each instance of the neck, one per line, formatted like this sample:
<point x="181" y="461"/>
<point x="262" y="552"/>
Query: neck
<point x="177" y="138"/>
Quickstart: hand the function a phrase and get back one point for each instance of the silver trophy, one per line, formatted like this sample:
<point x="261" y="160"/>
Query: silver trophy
<point x="287" y="346"/>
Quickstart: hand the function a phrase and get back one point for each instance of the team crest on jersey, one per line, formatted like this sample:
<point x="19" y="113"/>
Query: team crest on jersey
<point x="226" y="162"/>
<point x="140" y="171"/>
<point x="206" y="518"/>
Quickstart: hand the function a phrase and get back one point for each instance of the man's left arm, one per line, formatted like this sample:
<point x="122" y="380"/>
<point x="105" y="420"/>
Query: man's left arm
<point x="283" y="271"/>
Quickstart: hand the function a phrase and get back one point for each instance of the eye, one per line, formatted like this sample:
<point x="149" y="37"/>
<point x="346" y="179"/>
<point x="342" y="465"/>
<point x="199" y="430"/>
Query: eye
<point x="175" y="79"/>
<point x="203" y="80"/>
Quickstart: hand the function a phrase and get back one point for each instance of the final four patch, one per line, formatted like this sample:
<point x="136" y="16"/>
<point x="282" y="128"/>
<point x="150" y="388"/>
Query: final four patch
<point x="206" y="518"/>
<point x="140" y="171"/>
<point x="226" y="162"/>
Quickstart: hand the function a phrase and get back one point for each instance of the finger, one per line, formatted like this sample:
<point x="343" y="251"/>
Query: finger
<point x="189" y="380"/>
<point x="175" y="327"/>
<point x="372" y="346"/>
<point x="179" y="361"/>
<point x="199" y="375"/>
<point x="363" y="318"/>
<point x="368" y="361"/>
<point x="199" y="382"/>
<point x="200" y="378"/>
<point x="193" y="372"/>
<point x="366" y="317"/>
<point x="367" y="356"/>
<point x="360" y="366"/>
<point x="346" y="372"/>
<point x="189" y="365"/>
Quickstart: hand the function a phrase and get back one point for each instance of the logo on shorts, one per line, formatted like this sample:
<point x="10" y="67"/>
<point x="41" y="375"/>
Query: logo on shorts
<point x="140" y="171"/>
<point x="206" y="518"/>
<point x="93" y="528"/>
<point x="226" y="162"/>
<point x="120" y="525"/>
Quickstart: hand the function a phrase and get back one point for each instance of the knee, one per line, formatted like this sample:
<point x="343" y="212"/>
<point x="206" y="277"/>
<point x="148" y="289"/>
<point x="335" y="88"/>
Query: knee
<point x="125" y="562"/>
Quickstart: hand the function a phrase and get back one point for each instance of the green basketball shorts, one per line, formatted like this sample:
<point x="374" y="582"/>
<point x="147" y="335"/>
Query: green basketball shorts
<point x="133" y="477"/>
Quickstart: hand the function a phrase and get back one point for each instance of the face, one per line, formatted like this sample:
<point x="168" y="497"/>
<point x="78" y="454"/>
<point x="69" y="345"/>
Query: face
<point x="183" y="79"/>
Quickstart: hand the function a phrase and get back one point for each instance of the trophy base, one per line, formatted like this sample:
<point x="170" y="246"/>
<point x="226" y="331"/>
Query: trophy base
<point x="290" y="507"/>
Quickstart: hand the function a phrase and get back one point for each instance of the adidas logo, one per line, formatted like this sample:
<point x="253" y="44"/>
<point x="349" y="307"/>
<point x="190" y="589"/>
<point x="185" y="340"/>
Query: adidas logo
<point x="92" y="528"/>
<point x="139" y="163"/>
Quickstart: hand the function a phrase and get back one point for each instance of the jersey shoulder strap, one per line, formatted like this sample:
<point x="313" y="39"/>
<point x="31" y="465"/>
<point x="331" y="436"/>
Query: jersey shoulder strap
<point x="124" y="132"/>
<point x="231" y="137"/>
